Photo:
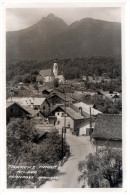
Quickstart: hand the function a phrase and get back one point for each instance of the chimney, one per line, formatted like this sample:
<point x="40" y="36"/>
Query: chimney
<point x="31" y="105"/>
<point x="81" y="111"/>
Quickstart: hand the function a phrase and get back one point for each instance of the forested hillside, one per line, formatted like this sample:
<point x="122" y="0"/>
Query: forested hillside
<point x="71" y="68"/>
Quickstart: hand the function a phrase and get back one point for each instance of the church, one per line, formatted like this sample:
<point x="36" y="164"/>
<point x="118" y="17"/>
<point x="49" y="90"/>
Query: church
<point x="48" y="75"/>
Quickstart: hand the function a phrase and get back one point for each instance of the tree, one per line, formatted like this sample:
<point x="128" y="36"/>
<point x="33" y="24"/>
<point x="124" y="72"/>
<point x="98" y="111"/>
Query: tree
<point x="56" y="83"/>
<point x="22" y="149"/>
<point x="33" y="78"/>
<point x="35" y="86"/>
<point x="26" y="78"/>
<point x="102" y="168"/>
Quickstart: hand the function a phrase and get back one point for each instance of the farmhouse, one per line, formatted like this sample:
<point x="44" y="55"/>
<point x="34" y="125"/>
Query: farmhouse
<point x="66" y="117"/>
<point x="35" y="114"/>
<point x="36" y="103"/>
<point x="45" y="92"/>
<point x="85" y="128"/>
<point x="43" y="129"/>
<point x="14" y="110"/>
<point x="108" y="131"/>
<point x="59" y="99"/>
<point x="84" y="78"/>
<point x="85" y="108"/>
<point x="116" y="97"/>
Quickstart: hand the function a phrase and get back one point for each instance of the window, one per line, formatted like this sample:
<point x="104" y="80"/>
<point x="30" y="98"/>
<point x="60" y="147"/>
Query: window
<point x="43" y="107"/>
<point x="11" y="110"/>
<point x="58" y="122"/>
<point x="58" y="113"/>
<point x="68" y="125"/>
<point x="38" y="114"/>
<point x="20" y="112"/>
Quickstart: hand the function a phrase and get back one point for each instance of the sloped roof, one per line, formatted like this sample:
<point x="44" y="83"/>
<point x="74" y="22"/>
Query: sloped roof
<point x="42" y="88"/>
<point x="8" y="104"/>
<point x="26" y="101"/>
<point x="44" y="128"/>
<point x="31" y="110"/>
<point x="46" y="72"/>
<point x="107" y="94"/>
<point x="72" y="113"/>
<point x="116" y="96"/>
<point x="61" y="77"/>
<point x="108" y="126"/>
<point x="85" y="114"/>
<point x="62" y="96"/>
<point x="87" y="120"/>
<point x="86" y="108"/>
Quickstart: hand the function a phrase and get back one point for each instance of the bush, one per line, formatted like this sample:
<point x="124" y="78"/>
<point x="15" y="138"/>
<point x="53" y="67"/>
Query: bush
<point x="22" y="150"/>
<point x="56" y="82"/>
<point x="102" y="169"/>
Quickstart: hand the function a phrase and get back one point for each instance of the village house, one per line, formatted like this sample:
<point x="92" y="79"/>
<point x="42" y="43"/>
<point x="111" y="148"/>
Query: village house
<point x="86" y="127"/>
<point x="45" y="92"/>
<point x="59" y="99"/>
<point x="78" y="94"/>
<point x="85" y="109"/>
<point x="42" y="129"/>
<point x="34" y="102"/>
<point x="14" y="110"/>
<point x="61" y="79"/>
<point x="35" y="114"/>
<point x="66" y="117"/>
<point x="108" y="131"/>
<point x="89" y="93"/>
<point x="116" y="97"/>
<point x="84" y="78"/>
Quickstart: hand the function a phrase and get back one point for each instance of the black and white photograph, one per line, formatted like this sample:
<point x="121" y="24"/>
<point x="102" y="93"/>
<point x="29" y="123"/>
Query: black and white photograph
<point x="64" y="97"/>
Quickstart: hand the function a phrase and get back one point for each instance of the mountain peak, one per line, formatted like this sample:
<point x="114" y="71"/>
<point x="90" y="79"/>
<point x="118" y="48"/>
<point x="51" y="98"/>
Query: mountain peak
<point x="51" y="16"/>
<point x="53" y="37"/>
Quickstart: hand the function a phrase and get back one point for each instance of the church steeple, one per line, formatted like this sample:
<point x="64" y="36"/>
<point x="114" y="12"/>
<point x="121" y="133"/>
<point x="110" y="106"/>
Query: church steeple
<point x="55" y="68"/>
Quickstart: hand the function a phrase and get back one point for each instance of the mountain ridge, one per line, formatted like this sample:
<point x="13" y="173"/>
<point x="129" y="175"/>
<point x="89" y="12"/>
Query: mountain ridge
<point x="51" y="37"/>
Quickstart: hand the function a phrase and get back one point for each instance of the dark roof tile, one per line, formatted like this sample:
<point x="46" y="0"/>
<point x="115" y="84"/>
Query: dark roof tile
<point x="108" y="126"/>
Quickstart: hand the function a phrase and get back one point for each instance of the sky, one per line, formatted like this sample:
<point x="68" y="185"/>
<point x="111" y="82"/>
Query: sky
<point x="20" y="18"/>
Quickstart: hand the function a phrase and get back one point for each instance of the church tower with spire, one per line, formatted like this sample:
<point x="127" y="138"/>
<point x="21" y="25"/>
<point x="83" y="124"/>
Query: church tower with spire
<point x="55" y="69"/>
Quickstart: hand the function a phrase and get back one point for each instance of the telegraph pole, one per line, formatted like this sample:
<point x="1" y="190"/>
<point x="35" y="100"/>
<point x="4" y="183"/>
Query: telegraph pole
<point x="90" y="124"/>
<point x="64" y="128"/>
<point x="62" y="143"/>
<point x="65" y="117"/>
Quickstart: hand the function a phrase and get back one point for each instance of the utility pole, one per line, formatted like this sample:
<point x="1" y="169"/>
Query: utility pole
<point x="64" y="128"/>
<point x="62" y="143"/>
<point x="90" y="125"/>
<point x="65" y="117"/>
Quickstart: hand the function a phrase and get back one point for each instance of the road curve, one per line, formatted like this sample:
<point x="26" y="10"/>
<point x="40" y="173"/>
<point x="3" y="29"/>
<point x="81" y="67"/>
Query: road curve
<point x="80" y="147"/>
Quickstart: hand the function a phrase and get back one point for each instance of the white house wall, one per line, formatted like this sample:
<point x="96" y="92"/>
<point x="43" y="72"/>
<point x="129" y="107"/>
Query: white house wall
<point x="84" y="129"/>
<point x="60" y="122"/>
<point x="48" y="79"/>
